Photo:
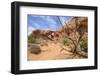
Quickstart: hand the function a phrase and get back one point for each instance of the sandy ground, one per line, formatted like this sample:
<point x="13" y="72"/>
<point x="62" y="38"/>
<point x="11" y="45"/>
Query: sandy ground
<point x="51" y="52"/>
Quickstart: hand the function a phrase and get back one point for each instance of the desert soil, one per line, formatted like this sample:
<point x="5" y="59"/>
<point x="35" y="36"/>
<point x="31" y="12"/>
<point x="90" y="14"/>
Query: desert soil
<point x="53" y="51"/>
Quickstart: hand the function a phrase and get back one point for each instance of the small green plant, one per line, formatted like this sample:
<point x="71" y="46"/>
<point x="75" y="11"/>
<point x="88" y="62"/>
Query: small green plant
<point x="65" y="41"/>
<point x="84" y="44"/>
<point x="32" y="39"/>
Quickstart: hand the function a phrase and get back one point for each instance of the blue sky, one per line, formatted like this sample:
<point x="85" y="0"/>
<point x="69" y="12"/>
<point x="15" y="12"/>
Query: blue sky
<point x="45" y="22"/>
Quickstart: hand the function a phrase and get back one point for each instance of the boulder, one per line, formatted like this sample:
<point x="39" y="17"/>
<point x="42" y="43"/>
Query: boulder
<point x="35" y="49"/>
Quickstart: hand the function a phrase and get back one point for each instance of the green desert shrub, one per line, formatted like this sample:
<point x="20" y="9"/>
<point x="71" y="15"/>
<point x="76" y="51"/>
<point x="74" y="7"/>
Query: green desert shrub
<point x="84" y="44"/>
<point x="65" y="41"/>
<point x="32" y="39"/>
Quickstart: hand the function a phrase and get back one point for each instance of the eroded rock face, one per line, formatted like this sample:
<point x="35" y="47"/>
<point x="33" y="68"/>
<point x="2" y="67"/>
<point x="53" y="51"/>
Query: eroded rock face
<point x="76" y="23"/>
<point x="45" y="34"/>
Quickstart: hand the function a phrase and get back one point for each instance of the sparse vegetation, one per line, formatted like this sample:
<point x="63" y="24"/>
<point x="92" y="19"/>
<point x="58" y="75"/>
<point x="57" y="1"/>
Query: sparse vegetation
<point x="65" y="41"/>
<point x="32" y="39"/>
<point x="84" y="44"/>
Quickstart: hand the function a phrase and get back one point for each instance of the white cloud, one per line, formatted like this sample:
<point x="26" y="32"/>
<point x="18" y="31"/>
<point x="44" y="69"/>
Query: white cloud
<point x="49" y="19"/>
<point x="64" y="19"/>
<point x="35" y="24"/>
